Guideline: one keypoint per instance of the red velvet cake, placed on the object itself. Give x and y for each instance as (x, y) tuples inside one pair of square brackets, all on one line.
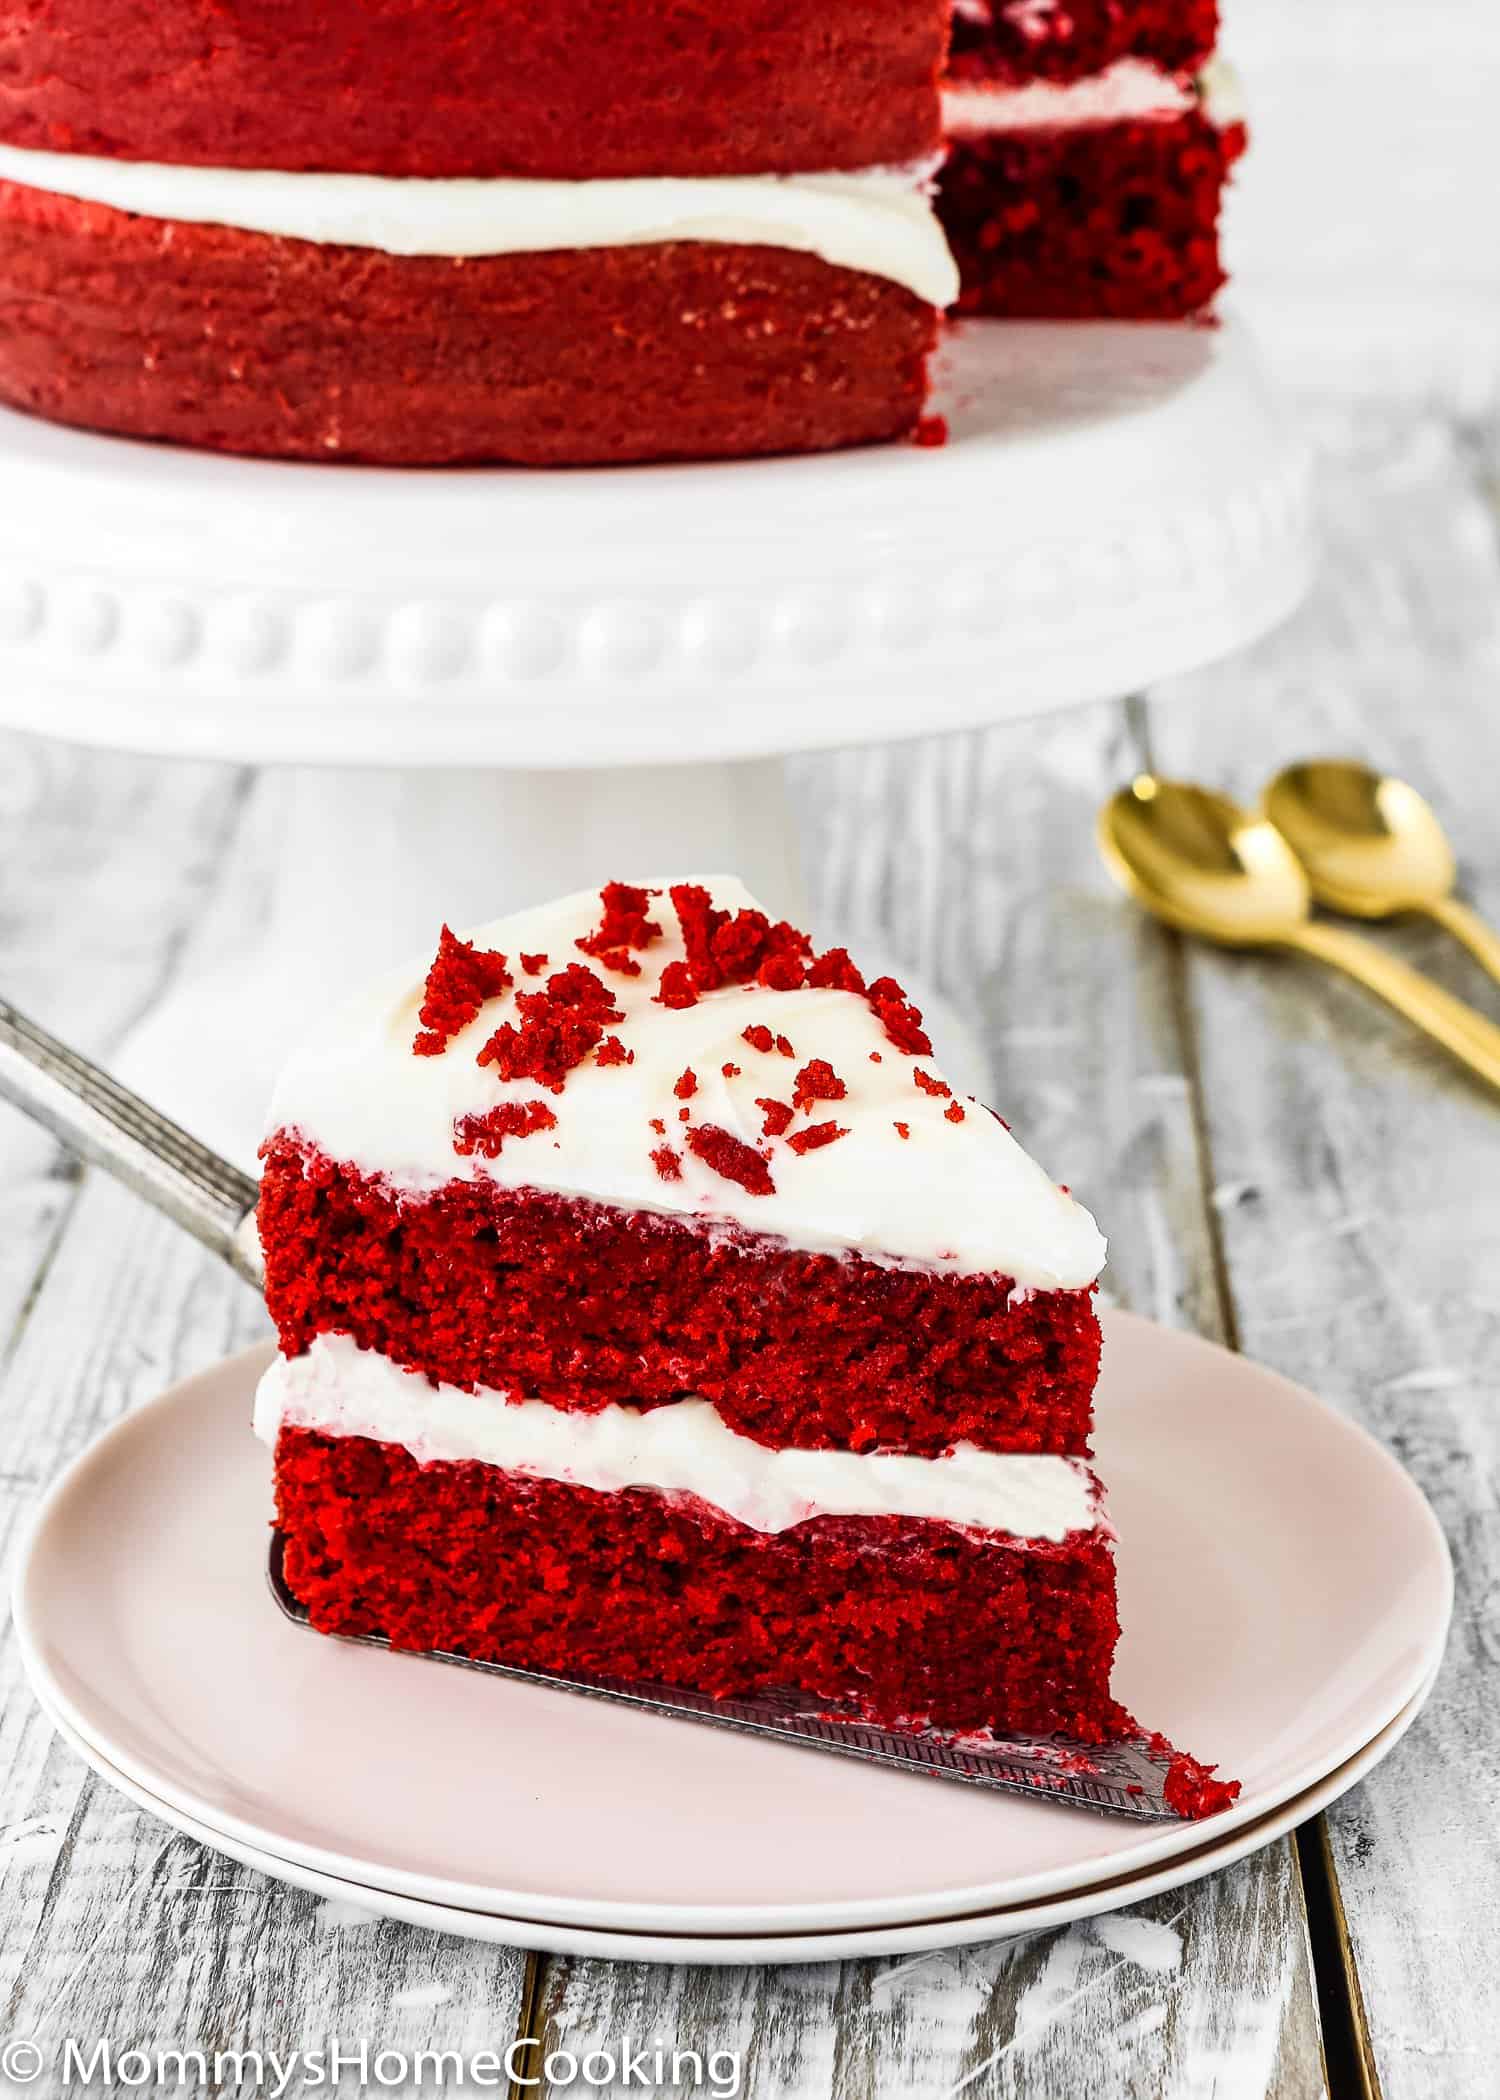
[(385, 230), (651, 1306), (1090, 147)]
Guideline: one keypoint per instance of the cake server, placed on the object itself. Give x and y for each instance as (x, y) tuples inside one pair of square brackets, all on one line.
[(110, 1127)]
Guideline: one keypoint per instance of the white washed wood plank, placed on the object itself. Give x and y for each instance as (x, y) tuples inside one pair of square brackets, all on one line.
[(1185, 1995), (1365, 1241), (115, 872), (976, 857)]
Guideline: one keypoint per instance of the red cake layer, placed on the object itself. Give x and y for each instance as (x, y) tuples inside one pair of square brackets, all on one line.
[(1117, 221), (484, 87), (1020, 40), (577, 1305), (909, 1620), (239, 342)]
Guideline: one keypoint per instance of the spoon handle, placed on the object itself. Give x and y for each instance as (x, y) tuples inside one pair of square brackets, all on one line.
[(1465, 924), (1465, 1034)]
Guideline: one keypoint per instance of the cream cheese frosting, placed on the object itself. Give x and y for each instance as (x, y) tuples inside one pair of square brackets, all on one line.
[(875, 219), (950, 1195), (685, 1448), (1130, 89)]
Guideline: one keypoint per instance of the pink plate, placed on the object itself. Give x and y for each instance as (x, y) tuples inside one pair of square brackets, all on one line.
[(922, 1937), (1284, 1586)]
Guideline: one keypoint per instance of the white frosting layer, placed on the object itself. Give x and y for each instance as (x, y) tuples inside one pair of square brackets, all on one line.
[(955, 1196), (876, 219), (684, 1448), (1131, 88)]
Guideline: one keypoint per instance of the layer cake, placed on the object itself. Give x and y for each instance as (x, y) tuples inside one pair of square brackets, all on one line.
[(651, 1306), (409, 234)]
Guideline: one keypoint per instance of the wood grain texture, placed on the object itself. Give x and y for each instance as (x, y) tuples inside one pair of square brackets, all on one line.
[(1362, 1187)]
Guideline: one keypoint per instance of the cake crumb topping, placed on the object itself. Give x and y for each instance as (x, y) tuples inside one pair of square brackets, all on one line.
[(816, 1136), (731, 1157), (486, 1133), (461, 980), (623, 927), (559, 1027)]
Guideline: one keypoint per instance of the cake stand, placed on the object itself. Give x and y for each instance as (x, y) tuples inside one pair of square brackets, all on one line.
[(457, 669)]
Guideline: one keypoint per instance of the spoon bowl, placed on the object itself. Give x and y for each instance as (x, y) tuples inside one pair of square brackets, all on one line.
[(1369, 844), (1203, 864)]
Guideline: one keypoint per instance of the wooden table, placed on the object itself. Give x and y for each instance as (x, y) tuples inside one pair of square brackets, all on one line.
[(1279, 1165)]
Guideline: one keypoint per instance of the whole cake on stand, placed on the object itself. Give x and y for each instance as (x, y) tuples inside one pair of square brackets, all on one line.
[(496, 683)]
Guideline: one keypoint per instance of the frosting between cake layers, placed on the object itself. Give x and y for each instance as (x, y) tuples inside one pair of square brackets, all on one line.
[(956, 1193), (682, 1448), (878, 220), (1130, 90)]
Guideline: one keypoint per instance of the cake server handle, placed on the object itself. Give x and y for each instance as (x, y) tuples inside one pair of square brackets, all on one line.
[(112, 1128)]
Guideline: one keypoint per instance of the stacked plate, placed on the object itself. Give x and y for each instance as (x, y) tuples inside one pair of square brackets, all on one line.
[(1284, 1588)]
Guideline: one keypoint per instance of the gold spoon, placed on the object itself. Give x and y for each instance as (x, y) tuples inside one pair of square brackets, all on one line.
[(1372, 847), (1206, 866)]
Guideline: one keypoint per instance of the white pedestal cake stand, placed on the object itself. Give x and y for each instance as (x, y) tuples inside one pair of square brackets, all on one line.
[(458, 667)]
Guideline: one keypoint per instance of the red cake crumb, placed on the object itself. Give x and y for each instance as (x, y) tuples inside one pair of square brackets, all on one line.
[(487, 1133), (677, 989), (740, 947), (954, 1112), (757, 1036), (658, 1126), (624, 926), (478, 1285), (613, 1052), (533, 965), (876, 1058), (462, 979), (938, 1088), (559, 1028), (731, 1157), (318, 351), (1115, 221), (730, 1071), (834, 971), (778, 1115), (901, 1020), (818, 1081), (667, 1163), (784, 1047), (903, 1130), (931, 431), (917, 1620), (687, 1085), (816, 1136), (1190, 1789)]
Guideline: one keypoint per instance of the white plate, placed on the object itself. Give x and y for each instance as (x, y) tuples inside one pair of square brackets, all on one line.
[(922, 1937), (1285, 1589)]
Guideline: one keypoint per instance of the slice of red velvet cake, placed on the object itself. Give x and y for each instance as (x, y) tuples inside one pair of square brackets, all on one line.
[(651, 1307), (408, 232), (1091, 143)]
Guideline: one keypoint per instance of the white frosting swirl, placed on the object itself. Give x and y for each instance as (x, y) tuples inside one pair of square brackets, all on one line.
[(686, 1448), (957, 1196)]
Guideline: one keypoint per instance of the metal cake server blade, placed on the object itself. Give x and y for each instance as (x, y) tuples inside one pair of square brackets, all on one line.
[(111, 1127), (1125, 1778)]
